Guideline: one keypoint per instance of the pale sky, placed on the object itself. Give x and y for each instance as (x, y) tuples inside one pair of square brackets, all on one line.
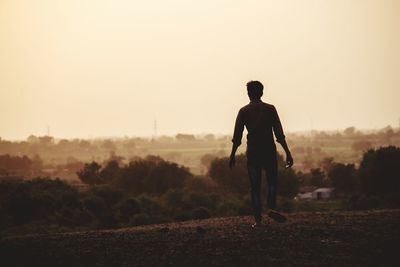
[(93, 68)]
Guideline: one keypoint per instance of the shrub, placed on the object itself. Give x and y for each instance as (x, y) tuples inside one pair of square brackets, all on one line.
[(195, 199), (201, 213), (287, 205), (379, 171), (288, 183), (140, 219), (236, 181), (37, 199), (107, 221), (229, 207), (183, 215), (363, 202), (129, 207), (343, 177), (109, 195), (173, 199), (149, 205)]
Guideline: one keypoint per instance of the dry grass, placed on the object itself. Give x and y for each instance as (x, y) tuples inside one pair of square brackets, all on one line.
[(364, 238)]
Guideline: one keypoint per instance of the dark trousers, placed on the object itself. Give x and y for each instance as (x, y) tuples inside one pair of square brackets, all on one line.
[(255, 165)]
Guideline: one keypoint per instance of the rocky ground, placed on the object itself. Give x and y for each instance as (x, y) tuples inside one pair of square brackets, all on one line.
[(364, 238)]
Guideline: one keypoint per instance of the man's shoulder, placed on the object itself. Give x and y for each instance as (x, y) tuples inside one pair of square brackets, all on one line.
[(252, 105), (270, 106)]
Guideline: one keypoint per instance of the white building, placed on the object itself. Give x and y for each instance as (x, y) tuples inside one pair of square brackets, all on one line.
[(305, 192), (322, 193), (313, 192)]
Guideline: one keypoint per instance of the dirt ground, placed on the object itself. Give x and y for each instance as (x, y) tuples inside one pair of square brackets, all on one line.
[(363, 238)]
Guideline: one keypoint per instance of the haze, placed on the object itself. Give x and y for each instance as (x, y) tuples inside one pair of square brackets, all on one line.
[(110, 68)]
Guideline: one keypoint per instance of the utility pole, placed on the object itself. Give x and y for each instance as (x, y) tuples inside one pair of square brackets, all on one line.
[(155, 129)]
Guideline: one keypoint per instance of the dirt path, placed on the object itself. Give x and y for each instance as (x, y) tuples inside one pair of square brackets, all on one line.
[(369, 238)]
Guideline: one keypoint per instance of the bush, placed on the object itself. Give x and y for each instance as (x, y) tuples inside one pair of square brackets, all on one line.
[(198, 184), (82, 217), (183, 215), (308, 206), (107, 221), (288, 183), (201, 213), (363, 202), (140, 219), (229, 207), (37, 199), (379, 171), (246, 207), (152, 175), (343, 177), (149, 205), (173, 199), (129, 207), (194, 199), (95, 205), (287, 205), (109, 195), (236, 181)]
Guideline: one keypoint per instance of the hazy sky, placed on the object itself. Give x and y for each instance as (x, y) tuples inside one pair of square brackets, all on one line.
[(90, 68)]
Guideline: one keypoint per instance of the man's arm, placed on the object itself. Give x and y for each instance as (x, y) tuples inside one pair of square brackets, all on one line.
[(280, 138), (232, 157), (289, 158), (237, 138)]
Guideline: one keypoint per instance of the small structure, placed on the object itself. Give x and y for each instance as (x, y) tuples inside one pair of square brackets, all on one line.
[(313, 192), (322, 193), (305, 192)]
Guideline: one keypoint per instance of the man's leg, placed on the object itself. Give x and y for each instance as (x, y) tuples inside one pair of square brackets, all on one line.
[(254, 172), (271, 171), (272, 180)]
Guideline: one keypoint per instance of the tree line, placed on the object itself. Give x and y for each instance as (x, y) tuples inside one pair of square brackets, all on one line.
[(153, 190)]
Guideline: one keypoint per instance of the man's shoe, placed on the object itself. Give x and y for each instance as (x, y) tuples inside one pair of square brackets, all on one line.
[(276, 216)]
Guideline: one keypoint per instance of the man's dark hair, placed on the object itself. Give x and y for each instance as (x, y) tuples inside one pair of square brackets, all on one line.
[(255, 89)]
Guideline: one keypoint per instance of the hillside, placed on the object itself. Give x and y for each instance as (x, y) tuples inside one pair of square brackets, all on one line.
[(364, 238)]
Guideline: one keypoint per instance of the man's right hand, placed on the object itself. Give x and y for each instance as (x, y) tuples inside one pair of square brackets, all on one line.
[(232, 162)]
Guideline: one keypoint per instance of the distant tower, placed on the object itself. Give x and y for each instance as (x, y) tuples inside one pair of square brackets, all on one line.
[(155, 129), (48, 130)]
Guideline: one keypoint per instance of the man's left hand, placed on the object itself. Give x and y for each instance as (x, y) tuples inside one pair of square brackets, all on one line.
[(289, 161)]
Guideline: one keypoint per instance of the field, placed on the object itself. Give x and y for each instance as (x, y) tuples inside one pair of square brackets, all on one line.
[(362, 238)]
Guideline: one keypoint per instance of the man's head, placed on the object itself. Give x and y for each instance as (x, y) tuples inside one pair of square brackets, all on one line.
[(254, 90)]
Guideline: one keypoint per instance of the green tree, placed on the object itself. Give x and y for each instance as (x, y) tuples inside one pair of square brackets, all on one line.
[(317, 177), (129, 207), (90, 174), (235, 180), (343, 178), (288, 183), (110, 172), (153, 176), (380, 171)]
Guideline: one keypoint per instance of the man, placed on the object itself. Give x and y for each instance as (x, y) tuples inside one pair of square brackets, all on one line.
[(260, 119)]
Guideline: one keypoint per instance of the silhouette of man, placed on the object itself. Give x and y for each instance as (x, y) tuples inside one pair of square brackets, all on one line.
[(260, 119)]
